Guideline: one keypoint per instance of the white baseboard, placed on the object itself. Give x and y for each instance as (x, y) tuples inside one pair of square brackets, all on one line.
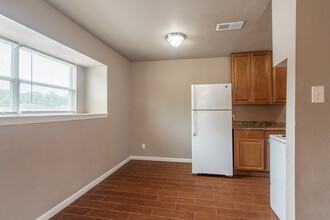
[(82, 191), (167, 159)]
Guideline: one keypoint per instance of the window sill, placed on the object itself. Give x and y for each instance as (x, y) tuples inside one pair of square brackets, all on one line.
[(31, 119)]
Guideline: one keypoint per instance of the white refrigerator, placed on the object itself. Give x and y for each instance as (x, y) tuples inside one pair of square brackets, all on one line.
[(212, 150)]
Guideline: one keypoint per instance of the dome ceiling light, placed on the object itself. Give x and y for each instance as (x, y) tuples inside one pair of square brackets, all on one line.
[(175, 38)]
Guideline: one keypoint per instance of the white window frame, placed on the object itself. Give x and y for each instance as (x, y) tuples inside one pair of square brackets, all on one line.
[(11, 78), (16, 81)]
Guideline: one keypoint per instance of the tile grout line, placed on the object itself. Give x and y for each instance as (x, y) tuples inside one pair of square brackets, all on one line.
[(60, 217), (88, 212)]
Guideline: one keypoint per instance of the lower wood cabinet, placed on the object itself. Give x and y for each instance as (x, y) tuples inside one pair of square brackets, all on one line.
[(251, 152)]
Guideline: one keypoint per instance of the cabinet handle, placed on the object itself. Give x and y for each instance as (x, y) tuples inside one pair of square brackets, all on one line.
[(194, 123)]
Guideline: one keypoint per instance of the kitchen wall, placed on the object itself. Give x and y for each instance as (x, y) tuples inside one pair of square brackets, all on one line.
[(259, 112), (312, 120), (160, 104), (43, 164), (284, 49)]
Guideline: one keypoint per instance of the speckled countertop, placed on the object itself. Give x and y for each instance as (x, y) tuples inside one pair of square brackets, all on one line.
[(259, 125)]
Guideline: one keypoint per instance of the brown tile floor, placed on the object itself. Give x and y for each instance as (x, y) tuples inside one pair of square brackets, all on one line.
[(164, 190)]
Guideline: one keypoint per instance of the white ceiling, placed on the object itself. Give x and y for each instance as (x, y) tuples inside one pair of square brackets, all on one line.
[(136, 28)]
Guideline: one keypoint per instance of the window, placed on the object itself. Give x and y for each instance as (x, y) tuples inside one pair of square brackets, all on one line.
[(34, 82), (6, 77)]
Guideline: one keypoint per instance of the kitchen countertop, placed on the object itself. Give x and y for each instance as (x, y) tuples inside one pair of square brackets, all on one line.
[(259, 125)]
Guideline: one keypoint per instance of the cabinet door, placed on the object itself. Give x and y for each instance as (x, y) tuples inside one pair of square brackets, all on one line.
[(279, 84), (241, 77), (261, 71), (249, 154), (267, 155)]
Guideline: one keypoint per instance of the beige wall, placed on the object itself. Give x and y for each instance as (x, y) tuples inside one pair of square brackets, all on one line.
[(312, 120), (96, 89), (81, 89), (284, 47), (43, 164), (259, 112), (160, 104)]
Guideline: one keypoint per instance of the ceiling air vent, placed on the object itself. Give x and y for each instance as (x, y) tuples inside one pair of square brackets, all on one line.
[(229, 26)]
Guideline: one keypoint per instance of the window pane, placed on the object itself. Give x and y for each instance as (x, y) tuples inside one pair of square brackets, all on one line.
[(24, 65), (44, 69), (5, 59), (44, 98), (6, 96)]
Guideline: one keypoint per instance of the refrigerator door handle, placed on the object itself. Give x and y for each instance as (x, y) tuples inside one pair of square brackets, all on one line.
[(194, 123)]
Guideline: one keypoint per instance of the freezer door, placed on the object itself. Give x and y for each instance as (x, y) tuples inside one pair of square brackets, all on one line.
[(211, 96), (212, 151)]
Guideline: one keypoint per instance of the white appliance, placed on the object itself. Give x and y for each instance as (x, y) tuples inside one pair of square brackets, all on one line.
[(278, 175), (212, 150)]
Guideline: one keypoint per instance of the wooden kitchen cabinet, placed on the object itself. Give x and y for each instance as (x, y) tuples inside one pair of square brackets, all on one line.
[(279, 85), (249, 150), (250, 154), (241, 88), (261, 76), (252, 78)]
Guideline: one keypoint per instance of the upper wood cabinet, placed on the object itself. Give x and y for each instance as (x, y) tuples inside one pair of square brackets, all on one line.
[(279, 84), (241, 86), (252, 77), (261, 72)]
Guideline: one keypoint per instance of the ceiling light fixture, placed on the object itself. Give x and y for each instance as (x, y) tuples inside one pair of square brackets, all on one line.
[(175, 38)]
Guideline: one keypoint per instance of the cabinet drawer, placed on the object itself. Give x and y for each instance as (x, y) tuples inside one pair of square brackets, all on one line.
[(250, 134)]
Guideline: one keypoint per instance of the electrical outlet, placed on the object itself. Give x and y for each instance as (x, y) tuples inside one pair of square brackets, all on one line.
[(234, 117), (143, 146), (317, 94)]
